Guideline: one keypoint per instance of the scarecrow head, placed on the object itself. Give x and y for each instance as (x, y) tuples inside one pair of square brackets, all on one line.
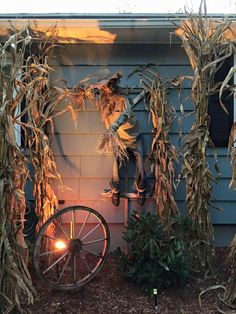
[(107, 82)]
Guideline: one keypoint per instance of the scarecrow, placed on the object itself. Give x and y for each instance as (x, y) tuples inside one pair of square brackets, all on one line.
[(122, 137)]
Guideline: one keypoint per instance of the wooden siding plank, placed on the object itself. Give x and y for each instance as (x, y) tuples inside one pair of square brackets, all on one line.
[(114, 214), (224, 234), (88, 122), (110, 213), (96, 167), (75, 144), (73, 74), (70, 190), (69, 166), (83, 144), (223, 164), (221, 191), (88, 166), (128, 54), (91, 189), (86, 143), (116, 233), (174, 97), (225, 216)]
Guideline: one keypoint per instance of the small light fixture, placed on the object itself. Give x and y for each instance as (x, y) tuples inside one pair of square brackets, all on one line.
[(155, 297), (60, 245)]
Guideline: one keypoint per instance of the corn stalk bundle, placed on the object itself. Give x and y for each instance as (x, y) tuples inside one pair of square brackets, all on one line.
[(26, 82), (15, 279), (41, 107), (41, 100), (230, 291), (207, 48), (163, 153), (231, 144)]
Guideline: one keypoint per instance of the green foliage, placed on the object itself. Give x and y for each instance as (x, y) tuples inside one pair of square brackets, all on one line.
[(157, 252)]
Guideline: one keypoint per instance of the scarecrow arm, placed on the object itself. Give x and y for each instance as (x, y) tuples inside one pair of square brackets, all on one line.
[(127, 114), (123, 118)]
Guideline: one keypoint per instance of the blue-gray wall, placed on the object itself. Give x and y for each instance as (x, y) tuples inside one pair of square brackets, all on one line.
[(85, 172)]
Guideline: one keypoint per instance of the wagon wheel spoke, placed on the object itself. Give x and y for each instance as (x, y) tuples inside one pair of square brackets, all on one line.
[(55, 263), (48, 253), (63, 269), (62, 228), (74, 270), (91, 231), (85, 264), (50, 237), (94, 241), (72, 225), (92, 253), (84, 223)]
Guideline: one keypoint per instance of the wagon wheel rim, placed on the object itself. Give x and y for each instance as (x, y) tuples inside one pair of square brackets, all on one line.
[(86, 243)]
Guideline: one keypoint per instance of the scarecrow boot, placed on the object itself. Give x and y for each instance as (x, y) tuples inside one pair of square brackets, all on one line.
[(115, 189)]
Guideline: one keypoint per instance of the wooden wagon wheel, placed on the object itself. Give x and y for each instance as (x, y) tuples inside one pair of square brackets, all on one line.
[(71, 247)]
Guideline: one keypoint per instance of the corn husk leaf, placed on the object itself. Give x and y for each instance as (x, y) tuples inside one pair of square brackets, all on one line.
[(110, 143)]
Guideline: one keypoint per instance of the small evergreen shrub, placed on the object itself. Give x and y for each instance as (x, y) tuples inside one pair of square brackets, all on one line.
[(157, 253)]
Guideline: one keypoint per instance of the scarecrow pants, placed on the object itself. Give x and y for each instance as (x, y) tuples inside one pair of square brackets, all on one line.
[(140, 178)]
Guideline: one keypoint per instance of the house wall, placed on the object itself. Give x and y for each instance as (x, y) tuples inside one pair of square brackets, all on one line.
[(86, 172)]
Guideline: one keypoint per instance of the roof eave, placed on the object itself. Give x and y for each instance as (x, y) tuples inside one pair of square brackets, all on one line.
[(127, 28)]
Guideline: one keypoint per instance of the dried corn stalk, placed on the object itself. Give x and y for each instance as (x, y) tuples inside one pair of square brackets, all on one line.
[(230, 292), (15, 279), (231, 144), (163, 154), (207, 48), (25, 80), (41, 101), (230, 289)]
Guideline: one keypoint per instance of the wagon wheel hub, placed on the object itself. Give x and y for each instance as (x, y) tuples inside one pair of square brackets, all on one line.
[(75, 246)]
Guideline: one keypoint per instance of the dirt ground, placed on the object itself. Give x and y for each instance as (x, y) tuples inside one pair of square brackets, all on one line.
[(110, 292)]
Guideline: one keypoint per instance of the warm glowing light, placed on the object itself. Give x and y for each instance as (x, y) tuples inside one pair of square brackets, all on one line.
[(65, 31), (60, 245)]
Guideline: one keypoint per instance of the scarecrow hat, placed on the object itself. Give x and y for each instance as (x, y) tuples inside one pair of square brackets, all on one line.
[(99, 79), (104, 77)]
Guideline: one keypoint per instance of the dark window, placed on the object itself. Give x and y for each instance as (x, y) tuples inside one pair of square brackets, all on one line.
[(221, 122)]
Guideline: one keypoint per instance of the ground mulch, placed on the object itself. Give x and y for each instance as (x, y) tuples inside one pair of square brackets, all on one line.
[(110, 292)]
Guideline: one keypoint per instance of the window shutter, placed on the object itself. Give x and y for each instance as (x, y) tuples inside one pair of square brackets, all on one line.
[(221, 122)]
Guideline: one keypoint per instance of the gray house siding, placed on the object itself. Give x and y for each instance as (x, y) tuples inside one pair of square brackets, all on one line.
[(86, 172)]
